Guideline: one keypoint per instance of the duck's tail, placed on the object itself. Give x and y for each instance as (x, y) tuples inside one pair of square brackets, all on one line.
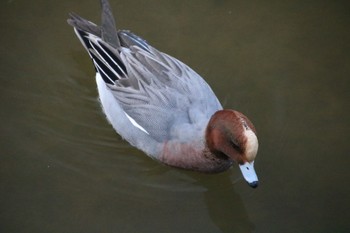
[(107, 31), (104, 43)]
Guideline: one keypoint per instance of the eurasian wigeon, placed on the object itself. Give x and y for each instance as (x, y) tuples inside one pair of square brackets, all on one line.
[(161, 106)]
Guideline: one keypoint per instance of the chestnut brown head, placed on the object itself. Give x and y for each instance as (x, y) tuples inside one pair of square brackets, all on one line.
[(231, 134)]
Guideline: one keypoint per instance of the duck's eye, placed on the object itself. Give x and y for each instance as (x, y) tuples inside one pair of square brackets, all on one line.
[(246, 127), (235, 145)]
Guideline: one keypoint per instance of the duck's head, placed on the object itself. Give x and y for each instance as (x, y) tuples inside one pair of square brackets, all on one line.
[(230, 134)]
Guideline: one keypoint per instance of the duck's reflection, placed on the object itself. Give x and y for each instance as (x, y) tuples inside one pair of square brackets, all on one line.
[(225, 206)]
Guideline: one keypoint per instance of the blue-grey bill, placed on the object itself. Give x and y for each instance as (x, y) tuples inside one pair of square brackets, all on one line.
[(249, 174)]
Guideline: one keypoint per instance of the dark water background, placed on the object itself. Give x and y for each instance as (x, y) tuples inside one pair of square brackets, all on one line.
[(285, 64)]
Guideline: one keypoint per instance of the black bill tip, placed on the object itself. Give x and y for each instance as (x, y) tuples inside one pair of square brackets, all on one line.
[(254, 184)]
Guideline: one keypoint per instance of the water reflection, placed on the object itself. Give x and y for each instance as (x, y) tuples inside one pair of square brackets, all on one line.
[(225, 206)]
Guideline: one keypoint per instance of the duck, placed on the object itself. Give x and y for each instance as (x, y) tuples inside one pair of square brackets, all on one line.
[(163, 107)]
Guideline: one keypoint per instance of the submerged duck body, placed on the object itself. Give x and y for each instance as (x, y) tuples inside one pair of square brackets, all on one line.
[(161, 106)]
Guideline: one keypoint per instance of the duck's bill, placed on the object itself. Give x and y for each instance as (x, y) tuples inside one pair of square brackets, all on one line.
[(249, 174)]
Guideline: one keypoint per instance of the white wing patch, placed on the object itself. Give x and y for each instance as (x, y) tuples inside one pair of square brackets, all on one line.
[(135, 123)]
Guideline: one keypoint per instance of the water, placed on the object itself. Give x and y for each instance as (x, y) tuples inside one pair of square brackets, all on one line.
[(285, 65)]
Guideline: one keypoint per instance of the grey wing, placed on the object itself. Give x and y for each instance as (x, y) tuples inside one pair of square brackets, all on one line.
[(161, 93), (155, 90)]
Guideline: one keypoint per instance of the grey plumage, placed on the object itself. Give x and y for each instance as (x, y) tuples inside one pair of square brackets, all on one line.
[(163, 95)]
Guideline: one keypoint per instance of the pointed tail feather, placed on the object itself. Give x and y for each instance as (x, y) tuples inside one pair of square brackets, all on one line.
[(108, 29), (104, 43)]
